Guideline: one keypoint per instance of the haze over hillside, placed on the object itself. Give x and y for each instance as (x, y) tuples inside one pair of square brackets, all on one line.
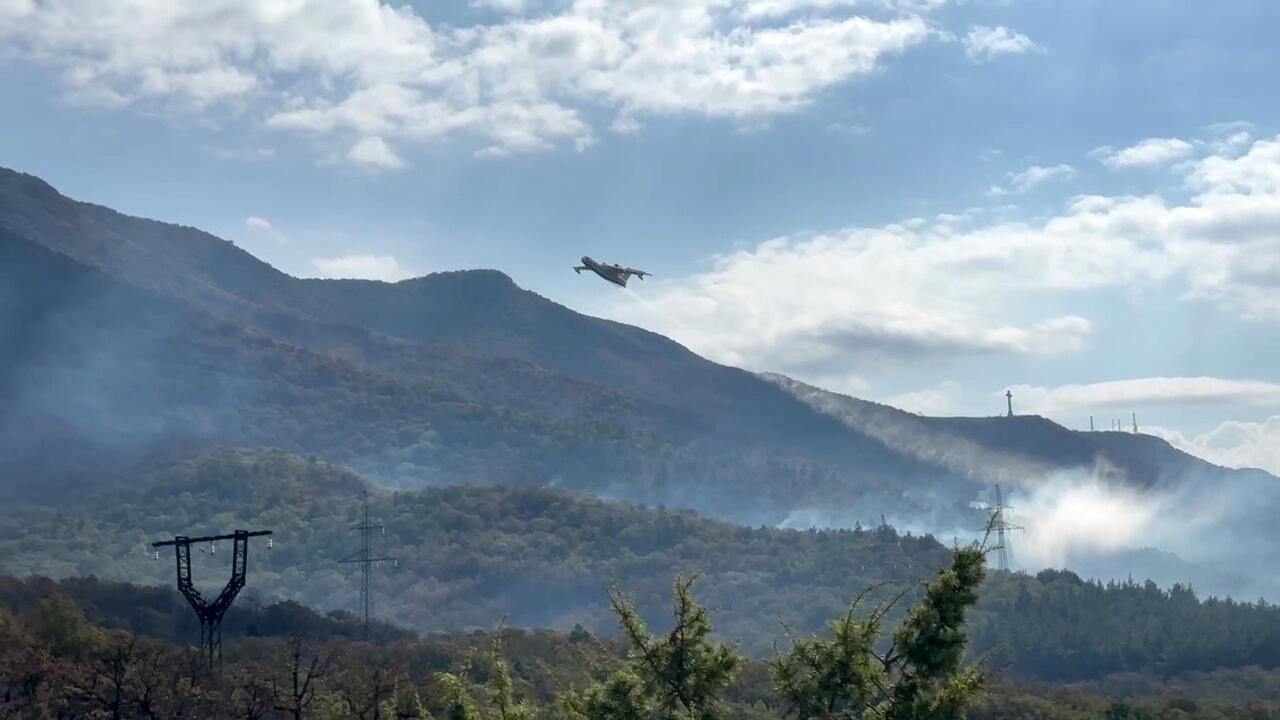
[(127, 340), (470, 557)]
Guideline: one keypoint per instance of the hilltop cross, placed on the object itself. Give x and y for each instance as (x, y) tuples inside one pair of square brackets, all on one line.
[(1009, 396)]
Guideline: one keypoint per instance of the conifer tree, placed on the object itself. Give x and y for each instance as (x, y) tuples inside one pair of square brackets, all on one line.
[(679, 676), (922, 674)]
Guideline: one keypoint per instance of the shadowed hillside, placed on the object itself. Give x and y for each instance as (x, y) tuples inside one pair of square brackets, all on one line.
[(137, 335)]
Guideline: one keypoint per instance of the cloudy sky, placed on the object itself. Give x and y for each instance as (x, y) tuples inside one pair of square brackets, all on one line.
[(924, 202)]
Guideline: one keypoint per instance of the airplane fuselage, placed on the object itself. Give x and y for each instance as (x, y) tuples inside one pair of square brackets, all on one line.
[(615, 274)]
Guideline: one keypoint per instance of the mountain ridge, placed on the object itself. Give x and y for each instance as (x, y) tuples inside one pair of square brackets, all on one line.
[(1026, 438), (660, 424)]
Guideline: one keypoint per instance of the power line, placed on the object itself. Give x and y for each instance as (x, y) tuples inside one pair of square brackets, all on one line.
[(364, 558)]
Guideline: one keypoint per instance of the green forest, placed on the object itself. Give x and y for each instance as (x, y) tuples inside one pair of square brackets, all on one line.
[(471, 557), (86, 648)]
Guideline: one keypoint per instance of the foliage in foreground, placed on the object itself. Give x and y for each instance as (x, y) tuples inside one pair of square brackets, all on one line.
[(55, 663)]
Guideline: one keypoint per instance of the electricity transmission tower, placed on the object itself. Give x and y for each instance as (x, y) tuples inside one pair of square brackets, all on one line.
[(1000, 523), (210, 613), (364, 557)]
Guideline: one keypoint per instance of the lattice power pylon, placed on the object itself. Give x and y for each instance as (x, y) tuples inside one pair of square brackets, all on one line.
[(364, 558), (211, 613), (1000, 523)]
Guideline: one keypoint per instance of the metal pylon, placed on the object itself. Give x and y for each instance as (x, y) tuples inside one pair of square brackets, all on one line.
[(209, 613)]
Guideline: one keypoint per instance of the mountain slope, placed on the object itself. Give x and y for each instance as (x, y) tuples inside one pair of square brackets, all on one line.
[(459, 376), (478, 336), (89, 362), (483, 312), (98, 373), (1019, 450)]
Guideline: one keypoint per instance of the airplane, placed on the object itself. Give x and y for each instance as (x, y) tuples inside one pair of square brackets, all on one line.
[(615, 274)]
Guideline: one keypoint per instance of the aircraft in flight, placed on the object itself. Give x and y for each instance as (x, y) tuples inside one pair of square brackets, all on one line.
[(615, 274)]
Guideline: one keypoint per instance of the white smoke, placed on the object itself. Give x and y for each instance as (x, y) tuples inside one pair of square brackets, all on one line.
[(1093, 522), (1075, 514), (1214, 531)]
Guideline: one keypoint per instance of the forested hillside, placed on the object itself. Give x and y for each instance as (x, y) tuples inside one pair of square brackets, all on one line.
[(469, 557), (82, 647)]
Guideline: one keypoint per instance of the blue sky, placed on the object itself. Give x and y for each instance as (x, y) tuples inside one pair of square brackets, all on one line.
[(916, 201)]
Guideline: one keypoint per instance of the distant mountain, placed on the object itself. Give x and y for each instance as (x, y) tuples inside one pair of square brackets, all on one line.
[(1107, 504), (243, 354), (128, 336), (389, 327), (1016, 451)]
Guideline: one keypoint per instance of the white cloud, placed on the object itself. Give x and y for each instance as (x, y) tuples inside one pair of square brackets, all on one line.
[(813, 306), (374, 152), (1128, 394), (362, 267), (798, 304), (16, 9), (759, 9), (1031, 177), (263, 227), (506, 6), (625, 125), (241, 153), (360, 69), (1231, 127), (848, 128), (983, 43), (1229, 138), (1151, 152), (1233, 444), (929, 401)]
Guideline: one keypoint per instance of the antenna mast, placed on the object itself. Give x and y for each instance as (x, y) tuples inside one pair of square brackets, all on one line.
[(1008, 394), (364, 558)]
